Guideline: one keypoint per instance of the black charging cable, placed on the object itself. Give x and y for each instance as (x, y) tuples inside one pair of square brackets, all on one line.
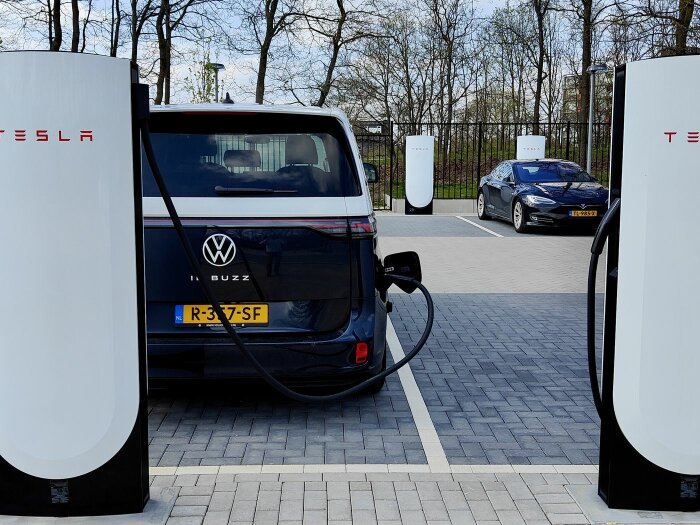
[(269, 378), (599, 240)]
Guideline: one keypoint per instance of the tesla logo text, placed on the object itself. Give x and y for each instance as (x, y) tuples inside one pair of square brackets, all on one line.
[(690, 136), (219, 250), (44, 135)]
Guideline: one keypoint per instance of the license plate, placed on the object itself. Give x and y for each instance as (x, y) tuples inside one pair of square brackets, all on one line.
[(239, 314), (583, 213)]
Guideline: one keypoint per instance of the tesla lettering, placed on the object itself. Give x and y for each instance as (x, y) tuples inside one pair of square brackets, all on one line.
[(44, 135)]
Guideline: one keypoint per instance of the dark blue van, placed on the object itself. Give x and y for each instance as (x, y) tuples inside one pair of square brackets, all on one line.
[(275, 202)]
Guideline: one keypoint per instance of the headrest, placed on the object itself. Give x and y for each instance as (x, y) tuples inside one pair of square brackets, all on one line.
[(242, 158), (300, 149)]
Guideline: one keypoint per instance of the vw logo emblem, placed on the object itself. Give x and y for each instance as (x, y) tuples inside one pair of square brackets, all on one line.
[(219, 250)]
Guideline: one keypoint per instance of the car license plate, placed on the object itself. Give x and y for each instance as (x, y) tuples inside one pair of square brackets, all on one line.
[(583, 213), (239, 314)]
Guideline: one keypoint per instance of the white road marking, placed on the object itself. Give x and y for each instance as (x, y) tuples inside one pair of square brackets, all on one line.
[(437, 460), (368, 468), (479, 226)]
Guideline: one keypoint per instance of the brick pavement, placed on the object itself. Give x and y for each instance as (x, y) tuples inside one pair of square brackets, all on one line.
[(377, 498), (505, 376), (254, 425)]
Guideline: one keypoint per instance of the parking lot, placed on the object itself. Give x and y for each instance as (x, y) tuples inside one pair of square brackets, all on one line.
[(500, 393), (504, 375)]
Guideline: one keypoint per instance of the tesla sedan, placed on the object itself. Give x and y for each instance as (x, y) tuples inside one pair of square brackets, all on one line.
[(548, 192)]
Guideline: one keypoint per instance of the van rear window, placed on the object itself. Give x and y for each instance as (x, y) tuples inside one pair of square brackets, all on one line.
[(223, 155)]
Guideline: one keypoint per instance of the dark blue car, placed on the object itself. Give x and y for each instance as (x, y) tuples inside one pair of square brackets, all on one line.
[(548, 192)]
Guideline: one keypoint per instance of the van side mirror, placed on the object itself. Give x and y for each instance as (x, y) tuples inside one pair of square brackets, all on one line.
[(404, 264), (371, 172)]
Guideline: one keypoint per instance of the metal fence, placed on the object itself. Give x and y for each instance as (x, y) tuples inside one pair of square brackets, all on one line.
[(466, 152)]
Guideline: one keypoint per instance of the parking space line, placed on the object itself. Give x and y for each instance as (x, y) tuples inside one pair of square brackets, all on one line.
[(437, 460), (479, 226)]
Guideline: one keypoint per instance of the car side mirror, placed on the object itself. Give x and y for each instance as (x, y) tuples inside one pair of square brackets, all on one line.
[(403, 264), (371, 172)]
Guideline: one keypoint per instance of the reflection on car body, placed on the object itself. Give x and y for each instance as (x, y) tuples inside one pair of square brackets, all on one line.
[(548, 192)]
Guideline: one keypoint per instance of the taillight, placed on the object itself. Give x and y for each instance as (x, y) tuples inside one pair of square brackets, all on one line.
[(364, 228), (361, 352)]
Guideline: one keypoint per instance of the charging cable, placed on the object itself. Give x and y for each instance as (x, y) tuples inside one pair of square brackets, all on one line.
[(216, 306), (601, 236)]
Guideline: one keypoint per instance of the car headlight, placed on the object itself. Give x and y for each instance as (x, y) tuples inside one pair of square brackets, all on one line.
[(536, 200)]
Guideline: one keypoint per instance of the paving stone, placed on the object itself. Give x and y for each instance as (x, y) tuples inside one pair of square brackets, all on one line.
[(387, 510), (243, 510), (216, 517), (185, 520), (361, 500), (567, 519), (339, 509), (408, 500), (192, 500), (383, 490), (482, 510), (434, 510), (428, 490), (291, 510), (315, 500), (203, 490), (189, 510), (364, 516), (315, 517), (412, 517), (455, 501), (510, 517)]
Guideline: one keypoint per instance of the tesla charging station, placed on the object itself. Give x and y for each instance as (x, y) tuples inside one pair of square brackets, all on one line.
[(73, 423), (650, 421), (420, 151)]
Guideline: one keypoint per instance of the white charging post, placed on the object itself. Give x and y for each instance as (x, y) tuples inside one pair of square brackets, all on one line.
[(73, 422), (650, 424), (530, 147), (420, 154)]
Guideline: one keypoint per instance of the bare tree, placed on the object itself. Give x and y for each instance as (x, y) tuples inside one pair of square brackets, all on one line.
[(169, 19), (347, 27)]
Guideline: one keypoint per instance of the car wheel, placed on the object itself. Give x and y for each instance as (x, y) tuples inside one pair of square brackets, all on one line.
[(481, 207), (519, 217), (375, 388)]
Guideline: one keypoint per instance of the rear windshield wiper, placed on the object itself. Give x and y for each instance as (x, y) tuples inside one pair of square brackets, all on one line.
[(221, 190)]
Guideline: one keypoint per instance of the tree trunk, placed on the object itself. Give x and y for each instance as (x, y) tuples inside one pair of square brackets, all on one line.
[(685, 16), (115, 28), (57, 30), (50, 13), (328, 82), (540, 12), (337, 43), (262, 71), (134, 31), (162, 51), (270, 12), (584, 79), (75, 37), (168, 55)]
